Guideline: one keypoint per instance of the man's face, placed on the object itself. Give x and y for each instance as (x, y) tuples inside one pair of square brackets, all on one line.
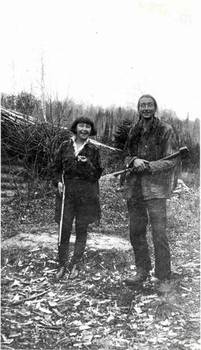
[(146, 107), (83, 131)]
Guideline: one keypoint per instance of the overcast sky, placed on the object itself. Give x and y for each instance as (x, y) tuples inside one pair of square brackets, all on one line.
[(104, 52)]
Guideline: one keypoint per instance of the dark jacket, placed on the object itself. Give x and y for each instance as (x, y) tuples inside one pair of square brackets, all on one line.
[(153, 145), (80, 178)]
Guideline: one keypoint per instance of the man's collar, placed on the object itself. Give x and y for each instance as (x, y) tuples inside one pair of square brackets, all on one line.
[(150, 126)]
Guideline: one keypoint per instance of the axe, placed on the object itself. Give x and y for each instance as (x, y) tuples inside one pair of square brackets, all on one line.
[(182, 152)]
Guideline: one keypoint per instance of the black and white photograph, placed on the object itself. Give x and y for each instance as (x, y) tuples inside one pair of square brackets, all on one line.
[(100, 174)]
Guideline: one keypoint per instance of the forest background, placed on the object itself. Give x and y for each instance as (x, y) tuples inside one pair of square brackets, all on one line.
[(112, 126)]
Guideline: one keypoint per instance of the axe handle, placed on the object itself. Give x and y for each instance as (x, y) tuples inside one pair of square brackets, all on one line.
[(172, 156), (120, 172)]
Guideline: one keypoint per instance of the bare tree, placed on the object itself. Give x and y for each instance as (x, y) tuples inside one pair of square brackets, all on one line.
[(42, 86)]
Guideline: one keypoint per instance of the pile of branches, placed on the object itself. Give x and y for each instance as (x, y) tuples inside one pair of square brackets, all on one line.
[(34, 143), (29, 141)]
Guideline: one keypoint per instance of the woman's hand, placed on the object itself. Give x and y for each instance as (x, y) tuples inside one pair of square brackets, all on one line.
[(60, 187), (140, 164)]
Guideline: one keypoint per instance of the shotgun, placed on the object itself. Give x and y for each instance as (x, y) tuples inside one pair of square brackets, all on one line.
[(182, 152)]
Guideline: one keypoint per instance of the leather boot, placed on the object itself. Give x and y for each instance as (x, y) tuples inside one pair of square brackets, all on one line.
[(63, 260), (138, 279), (74, 271), (75, 263), (60, 272)]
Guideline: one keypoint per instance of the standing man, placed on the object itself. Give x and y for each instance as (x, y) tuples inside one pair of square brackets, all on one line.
[(148, 142)]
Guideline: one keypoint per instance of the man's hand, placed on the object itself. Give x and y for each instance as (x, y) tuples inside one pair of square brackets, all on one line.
[(140, 164), (60, 187)]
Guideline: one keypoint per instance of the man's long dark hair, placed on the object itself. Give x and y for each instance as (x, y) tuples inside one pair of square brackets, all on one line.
[(136, 130)]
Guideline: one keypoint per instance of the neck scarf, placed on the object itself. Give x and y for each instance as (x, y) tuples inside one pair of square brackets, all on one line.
[(78, 148)]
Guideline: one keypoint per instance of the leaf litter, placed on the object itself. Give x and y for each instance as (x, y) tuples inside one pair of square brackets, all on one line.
[(96, 310), (96, 305)]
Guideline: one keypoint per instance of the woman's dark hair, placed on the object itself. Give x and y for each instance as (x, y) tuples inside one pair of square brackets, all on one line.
[(155, 103), (86, 121)]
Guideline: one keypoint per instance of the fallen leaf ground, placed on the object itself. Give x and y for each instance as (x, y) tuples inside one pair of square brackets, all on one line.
[(97, 311)]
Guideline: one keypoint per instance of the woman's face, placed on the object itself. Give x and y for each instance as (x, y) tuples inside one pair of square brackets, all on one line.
[(83, 131)]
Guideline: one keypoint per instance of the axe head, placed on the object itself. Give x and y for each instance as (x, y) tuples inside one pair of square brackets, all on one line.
[(184, 151)]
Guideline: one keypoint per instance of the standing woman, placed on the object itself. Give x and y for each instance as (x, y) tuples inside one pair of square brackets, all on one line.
[(77, 163)]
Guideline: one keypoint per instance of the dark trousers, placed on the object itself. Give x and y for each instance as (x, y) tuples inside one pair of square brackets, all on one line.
[(138, 213), (71, 212)]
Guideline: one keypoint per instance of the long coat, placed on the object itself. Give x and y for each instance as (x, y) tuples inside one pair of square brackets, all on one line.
[(80, 179)]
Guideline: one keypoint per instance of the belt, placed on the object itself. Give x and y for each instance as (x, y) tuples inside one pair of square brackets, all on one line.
[(74, 178)]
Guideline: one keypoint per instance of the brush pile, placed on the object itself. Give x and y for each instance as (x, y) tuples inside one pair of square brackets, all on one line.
[(33, 144), (30, 142)]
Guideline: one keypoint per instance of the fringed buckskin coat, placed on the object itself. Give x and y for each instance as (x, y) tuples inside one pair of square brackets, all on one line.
[(80, 178)]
